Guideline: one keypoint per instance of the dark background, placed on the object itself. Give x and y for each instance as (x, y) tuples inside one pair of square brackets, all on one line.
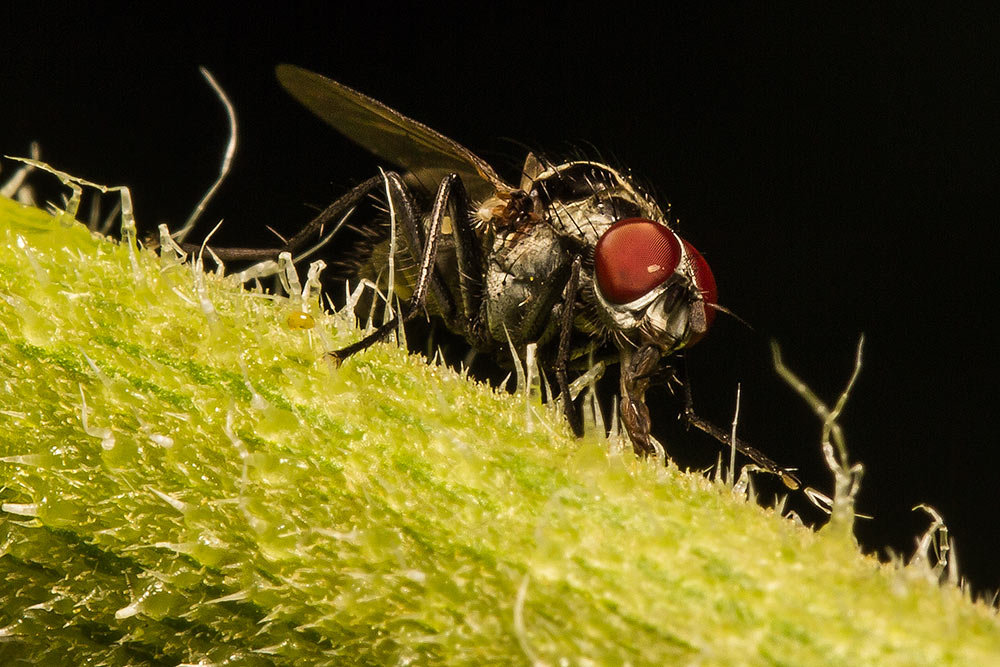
[(833, 167)]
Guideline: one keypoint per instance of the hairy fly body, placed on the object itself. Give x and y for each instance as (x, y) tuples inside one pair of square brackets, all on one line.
[(574, 258)]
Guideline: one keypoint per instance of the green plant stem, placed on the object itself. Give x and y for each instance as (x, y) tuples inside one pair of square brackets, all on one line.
[(185, 478)]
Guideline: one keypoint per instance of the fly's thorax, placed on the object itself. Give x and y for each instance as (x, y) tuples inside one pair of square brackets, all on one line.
[(582, 199), (526, 272)]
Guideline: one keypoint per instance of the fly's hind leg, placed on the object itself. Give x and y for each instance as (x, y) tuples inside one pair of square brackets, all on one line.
[(460, 301), (408, 217), (335, 212), (425, 275)]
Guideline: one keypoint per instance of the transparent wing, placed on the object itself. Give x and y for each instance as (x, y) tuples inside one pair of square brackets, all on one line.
[(428, 155)]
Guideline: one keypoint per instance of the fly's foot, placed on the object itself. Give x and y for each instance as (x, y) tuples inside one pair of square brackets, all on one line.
[(635, 417), (637, 370)]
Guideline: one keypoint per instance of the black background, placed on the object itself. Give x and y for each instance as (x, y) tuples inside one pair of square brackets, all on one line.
[(833, 167)]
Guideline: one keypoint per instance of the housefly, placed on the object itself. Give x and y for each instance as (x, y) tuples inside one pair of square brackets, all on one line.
[(574, 257)]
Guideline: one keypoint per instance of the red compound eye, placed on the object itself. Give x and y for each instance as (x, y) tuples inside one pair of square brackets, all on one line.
[(704, 281), (633, 257)]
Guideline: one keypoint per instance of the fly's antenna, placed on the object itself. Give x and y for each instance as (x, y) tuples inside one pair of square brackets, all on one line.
[(227, 158), (723, 309)]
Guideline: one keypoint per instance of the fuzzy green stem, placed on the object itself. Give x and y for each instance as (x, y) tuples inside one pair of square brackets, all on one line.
[(185, 479)]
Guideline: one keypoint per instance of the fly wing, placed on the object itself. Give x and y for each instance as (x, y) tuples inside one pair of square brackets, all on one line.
[(428, 155)]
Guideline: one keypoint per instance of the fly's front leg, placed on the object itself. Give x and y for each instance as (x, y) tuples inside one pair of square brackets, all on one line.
[(334, 212), (417, 299), (743, 447), (637, 372), (570, 409)]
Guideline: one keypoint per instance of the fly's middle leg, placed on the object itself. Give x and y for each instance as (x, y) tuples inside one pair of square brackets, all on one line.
[(570, 409)]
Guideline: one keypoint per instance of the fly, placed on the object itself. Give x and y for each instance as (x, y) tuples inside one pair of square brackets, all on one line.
[(574, 258)]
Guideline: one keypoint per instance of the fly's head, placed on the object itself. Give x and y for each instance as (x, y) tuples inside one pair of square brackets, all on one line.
[(652, 287)]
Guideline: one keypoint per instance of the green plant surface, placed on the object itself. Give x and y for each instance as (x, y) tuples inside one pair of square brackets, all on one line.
[(185, 479)]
